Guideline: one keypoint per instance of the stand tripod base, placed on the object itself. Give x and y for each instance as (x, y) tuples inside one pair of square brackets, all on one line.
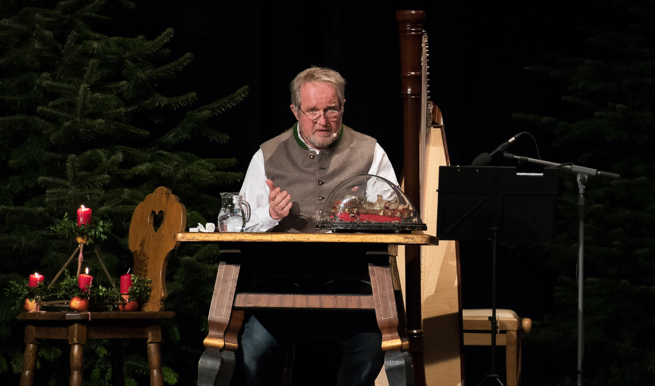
[(489, 379)]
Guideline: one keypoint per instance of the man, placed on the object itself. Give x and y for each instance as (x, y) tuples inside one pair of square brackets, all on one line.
[(287, 183)]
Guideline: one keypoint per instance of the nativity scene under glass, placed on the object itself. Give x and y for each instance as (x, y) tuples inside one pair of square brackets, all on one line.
[(368, 203)]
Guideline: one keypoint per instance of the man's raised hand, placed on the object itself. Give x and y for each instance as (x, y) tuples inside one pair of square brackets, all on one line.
[(280, 202)]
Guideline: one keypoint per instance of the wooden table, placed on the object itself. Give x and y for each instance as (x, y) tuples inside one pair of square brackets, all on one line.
[(273, 237), (224, 324)]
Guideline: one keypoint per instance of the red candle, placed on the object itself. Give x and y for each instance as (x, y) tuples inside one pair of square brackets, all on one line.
[(126, 283), (85, 280), (36, 279), (83, 216)]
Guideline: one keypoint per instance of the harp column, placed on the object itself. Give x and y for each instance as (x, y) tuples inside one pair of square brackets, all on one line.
[(410, 32)]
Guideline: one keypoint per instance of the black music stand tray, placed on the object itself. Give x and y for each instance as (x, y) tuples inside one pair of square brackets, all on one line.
[(488, 203)]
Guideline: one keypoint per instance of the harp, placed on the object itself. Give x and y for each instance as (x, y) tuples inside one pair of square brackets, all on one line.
[(431, 273)]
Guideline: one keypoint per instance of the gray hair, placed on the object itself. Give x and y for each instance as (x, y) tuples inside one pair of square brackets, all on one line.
[(317, 74)]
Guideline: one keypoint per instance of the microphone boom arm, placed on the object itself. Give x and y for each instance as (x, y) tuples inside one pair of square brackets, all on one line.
[(570, 168)]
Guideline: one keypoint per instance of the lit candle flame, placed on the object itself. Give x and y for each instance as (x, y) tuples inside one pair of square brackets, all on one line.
[(87, 270), (83, 208), (36, 275)]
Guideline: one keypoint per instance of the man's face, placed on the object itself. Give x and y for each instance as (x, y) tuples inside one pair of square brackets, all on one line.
[(319, 97)]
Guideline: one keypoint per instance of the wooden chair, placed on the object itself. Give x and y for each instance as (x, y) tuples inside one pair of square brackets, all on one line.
[(511, 329), (151, 249)]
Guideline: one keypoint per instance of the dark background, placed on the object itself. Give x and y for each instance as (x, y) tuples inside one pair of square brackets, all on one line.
[(479, 51)]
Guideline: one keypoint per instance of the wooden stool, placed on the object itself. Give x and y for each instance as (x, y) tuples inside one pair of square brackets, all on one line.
[(151, 250), (511, 328)]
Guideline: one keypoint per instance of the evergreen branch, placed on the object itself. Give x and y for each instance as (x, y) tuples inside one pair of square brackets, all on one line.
[(129, 129), (220, 106), (151, 47), (20, 27), (81, 102), (91, 69), (90, 10), (70, 40), (58, 86), (212, 134), (158, 100), (581, 103), (166, 71), (47, 181), (7, 122), (21, 209), (71, 169), (195, 117), (117, 87), (55, 113)]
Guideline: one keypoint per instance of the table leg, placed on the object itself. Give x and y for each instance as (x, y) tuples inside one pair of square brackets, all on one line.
[(29, 358), (399, 368), (217, 362), (397, 360)]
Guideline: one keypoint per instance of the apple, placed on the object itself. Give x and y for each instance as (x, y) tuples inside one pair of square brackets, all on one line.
[(79, 304), (29, 305), (130, 306)]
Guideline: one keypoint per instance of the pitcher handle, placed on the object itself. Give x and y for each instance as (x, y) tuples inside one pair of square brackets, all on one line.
[(247, 206)]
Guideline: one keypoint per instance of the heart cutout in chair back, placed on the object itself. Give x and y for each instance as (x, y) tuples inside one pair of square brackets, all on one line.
[(156, 218)]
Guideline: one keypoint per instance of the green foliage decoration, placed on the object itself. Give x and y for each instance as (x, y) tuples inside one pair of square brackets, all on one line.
[(84, 120), (67, 228), (140, 289)]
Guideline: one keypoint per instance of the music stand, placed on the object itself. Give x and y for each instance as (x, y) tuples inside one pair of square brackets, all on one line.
[(488, 203)]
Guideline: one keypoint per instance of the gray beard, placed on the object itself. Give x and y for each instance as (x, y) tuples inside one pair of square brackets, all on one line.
[(321, 143)]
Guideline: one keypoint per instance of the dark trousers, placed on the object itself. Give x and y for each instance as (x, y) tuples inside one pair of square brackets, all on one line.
[(268, 335)]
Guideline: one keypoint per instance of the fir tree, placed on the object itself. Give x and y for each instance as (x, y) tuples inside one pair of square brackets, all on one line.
[(82, 122), (612, 128)]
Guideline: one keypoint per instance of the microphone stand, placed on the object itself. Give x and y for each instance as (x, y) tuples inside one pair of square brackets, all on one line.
[(583, 174)]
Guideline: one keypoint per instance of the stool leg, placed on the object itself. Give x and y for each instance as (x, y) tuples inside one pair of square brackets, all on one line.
[(117, 362), (154, 355), (511, 358), (77, 335), (77, 359), (29, 358), (154, 360), (29, 362)]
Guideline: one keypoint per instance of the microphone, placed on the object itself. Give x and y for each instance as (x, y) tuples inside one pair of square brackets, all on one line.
[(484, 159)]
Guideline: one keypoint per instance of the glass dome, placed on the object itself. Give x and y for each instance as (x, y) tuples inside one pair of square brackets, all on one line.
[(369, 203)]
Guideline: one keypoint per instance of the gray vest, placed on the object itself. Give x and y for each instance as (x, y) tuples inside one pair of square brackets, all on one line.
[(309, 177)]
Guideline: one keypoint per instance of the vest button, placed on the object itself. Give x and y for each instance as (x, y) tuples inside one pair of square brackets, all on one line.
[(321, 198), (311, 156), (320, 182)]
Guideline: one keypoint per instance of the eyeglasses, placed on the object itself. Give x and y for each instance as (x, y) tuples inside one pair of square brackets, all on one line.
[(314, 115)]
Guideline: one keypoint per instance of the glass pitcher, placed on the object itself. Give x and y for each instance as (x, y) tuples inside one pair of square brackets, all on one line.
[(232, 218)]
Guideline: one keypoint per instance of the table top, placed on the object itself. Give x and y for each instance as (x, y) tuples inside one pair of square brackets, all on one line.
[(282, 237), (115, 315)]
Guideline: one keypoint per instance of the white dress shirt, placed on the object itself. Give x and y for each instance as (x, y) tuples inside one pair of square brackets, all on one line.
[(256, 191)]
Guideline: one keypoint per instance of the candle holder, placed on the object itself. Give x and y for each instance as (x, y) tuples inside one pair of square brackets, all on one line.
[(80, 257), (37, 306), (84, 236)]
